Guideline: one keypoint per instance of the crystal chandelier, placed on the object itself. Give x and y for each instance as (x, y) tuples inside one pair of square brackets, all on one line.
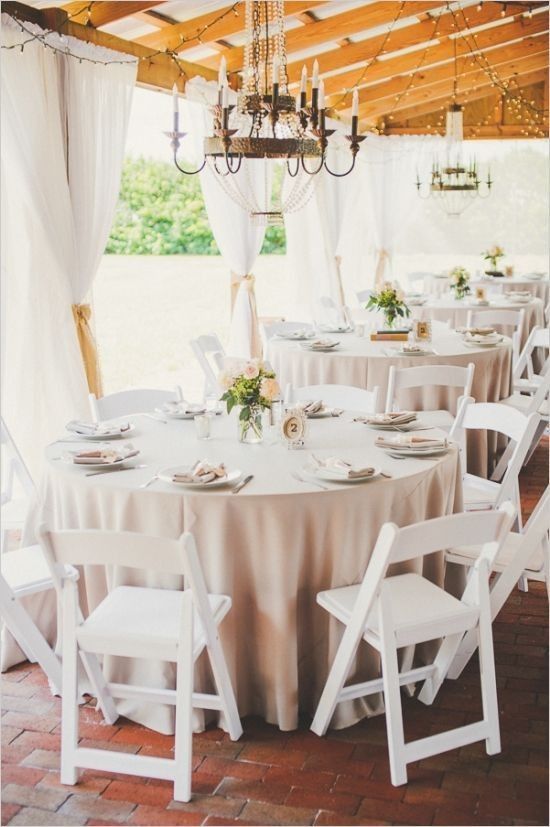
[(454, 184), (268, 123)]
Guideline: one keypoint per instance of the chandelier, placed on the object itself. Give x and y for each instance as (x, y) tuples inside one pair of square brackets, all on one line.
[(268, 123), (452, 183)]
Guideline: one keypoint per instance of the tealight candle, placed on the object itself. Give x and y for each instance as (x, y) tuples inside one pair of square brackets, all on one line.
[(202, 426)]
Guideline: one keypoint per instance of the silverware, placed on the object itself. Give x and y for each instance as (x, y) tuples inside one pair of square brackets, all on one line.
[(148, 483), (112, 470), (411, 456), (297, 476), (385, 474), (242, 484), (156, 418)]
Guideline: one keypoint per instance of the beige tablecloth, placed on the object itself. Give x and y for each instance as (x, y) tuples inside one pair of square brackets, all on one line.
[(539, 288), (456, 312), (272, 547), (365, 364)]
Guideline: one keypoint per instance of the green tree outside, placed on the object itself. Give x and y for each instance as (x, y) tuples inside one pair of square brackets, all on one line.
[(162, 212)]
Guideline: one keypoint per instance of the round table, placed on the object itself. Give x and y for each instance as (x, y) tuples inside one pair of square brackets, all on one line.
[(271, 547), (456, 312), (540, 288)]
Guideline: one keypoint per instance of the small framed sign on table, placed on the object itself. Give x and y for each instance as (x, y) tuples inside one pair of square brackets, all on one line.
[(293, 428)]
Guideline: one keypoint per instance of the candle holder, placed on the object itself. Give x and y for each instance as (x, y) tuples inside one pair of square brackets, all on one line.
[(175, 140)]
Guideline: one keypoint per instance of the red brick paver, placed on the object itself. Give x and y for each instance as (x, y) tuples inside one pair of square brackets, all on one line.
[(271, 777)]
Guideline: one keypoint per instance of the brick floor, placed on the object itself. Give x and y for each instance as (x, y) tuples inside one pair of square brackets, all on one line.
[(271, 777)]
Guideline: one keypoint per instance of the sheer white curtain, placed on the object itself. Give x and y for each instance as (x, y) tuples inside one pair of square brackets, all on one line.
[(238, 239), (390, 196), (97, 101), (313, 233), (44, 272)]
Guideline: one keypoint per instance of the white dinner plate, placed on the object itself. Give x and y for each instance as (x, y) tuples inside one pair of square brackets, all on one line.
[(94, 465), (425, 352), (415, 302), (519, 299), (331, 476), (341, 328), (171, 415), (534, 276), (408, 426), (166, 475), (404, 451), (326, 349), (114, 434), (482, 344)]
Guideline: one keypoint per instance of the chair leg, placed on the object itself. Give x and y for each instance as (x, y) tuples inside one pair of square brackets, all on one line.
[(394, 711), (523, 584), (443, 661), (183, 739), (69, 700), (406, 664), (224, 687), (99, 686), (487, 672), (335, 681)]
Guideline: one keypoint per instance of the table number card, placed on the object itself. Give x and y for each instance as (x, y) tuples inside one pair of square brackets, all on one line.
[(481, 293), (293, 428), (423, 331)]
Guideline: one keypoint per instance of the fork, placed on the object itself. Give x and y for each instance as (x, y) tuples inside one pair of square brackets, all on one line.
[(297, 476), (148, 483)]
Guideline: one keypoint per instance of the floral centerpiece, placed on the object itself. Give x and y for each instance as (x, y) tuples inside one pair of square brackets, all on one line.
[(460, 282), (252, 386), (391, 301), (493, 254)]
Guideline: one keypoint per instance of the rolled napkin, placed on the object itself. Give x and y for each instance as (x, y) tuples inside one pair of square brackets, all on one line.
[(322, 343), (483, 338), (342, 468), (202, 472), (297, 334), (103, 456), (477, 331), (410, 441), (390, 418), (311, 407), (523, 294), (182, 408), (95, 428), (412, 349)]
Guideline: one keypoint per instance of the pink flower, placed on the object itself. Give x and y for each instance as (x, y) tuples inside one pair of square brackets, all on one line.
[(251, 370), (270, 389)]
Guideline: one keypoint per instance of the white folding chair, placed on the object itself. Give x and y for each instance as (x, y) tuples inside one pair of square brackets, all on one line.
[(17, 486), (538, 403), (480, 493), (539, 340), (25, 572), (333, 313), (421, 280), (123, 403), (501, 319), (523, 557), (335, 396), (363, 296), (547, 314), (160, 624), (426, 375), (390, 613), (210, 354)]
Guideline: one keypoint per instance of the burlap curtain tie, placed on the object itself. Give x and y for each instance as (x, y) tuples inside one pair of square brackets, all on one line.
[(82, 314), (383, 258)]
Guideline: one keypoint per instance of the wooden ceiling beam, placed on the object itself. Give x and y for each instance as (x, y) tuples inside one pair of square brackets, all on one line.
[(231, 23), (369, 112), (154, 18), (334, 28), (473, 132), (406, 37), (102, 13), (497, 36), (434, 74), (435, 106), (155, 70)]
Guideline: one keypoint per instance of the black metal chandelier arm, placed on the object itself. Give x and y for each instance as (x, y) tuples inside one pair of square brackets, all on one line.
[(313, 171), (229, 163), (296, 169), (218, 171), (340, 174), (191, 171)]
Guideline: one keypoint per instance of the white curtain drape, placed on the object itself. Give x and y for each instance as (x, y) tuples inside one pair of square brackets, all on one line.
[(238, 239), (389, 175), (313, 233), (47, 263)]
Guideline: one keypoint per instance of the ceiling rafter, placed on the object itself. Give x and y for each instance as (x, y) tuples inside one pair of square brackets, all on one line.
[(413, 35), (485, 40), (376, 107), (103, 13), (334, 28), (233, 23)]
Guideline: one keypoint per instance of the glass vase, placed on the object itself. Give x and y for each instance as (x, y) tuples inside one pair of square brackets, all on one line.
[(389, 321), (251, 428)]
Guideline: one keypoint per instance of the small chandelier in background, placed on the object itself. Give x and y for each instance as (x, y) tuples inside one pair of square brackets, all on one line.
[(267, 122), (453, 184)]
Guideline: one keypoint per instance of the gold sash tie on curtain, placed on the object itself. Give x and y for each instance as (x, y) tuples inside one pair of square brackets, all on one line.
[(383, 258), (82, 314), (247, 282)]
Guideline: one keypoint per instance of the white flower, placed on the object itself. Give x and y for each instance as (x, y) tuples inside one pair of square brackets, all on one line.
[(251, 370)]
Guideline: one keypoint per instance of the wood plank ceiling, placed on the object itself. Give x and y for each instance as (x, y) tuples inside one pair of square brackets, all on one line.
[(400, 55)]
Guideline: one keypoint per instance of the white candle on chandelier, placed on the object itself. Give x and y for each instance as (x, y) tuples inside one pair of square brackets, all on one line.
[(315, 77), (355, 104), (303, 84), (275, 70), (222, 73), (175, 106), (321, 95), (225, 96)]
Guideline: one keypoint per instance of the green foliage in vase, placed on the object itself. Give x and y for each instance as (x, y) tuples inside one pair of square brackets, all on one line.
[(460, 282), (162, 212), (391, 301)]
